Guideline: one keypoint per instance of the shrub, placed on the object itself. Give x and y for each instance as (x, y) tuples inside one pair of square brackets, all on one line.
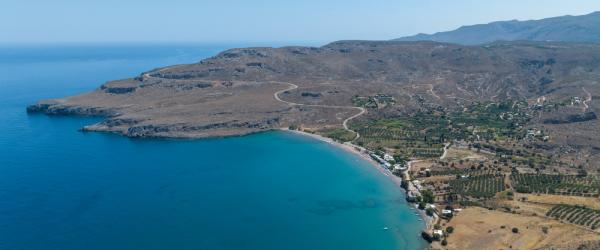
[(444, 242), (515, 230), (428, 196), (429, 211), (426, 236), (450, 230)]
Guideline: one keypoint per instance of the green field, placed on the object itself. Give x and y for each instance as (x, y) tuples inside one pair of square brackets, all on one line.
[(556, 184), (424, 134), (575, 214)]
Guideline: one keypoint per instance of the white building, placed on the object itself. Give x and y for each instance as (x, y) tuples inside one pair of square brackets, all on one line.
[(377, 158), (399, 168), (388, 157)]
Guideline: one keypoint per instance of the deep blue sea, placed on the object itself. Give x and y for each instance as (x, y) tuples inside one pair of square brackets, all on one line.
[(64, 189)]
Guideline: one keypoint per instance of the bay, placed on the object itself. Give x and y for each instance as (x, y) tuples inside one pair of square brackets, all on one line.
[(64, 189)]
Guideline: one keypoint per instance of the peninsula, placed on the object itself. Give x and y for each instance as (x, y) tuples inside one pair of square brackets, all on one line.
[(505, 132)]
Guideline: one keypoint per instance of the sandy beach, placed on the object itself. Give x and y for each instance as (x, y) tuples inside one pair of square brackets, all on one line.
[(357, 150), (362, 152)]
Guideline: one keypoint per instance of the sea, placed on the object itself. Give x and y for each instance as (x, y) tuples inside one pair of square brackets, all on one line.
[(65, 189)]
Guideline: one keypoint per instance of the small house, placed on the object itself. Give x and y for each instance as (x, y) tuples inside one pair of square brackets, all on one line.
[(399, 168), (387, 165), (388, 157), (447, 212)]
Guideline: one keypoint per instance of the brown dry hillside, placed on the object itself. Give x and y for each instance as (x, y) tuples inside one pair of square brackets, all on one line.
[(232, 93)]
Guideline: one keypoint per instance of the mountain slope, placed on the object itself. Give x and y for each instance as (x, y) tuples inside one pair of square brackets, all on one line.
[(584, 28), (233, 92)]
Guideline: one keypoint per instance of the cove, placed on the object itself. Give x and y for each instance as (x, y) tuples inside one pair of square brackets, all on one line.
[(64, 189)]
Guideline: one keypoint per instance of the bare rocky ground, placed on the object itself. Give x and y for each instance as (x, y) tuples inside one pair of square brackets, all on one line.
[(232, 93)]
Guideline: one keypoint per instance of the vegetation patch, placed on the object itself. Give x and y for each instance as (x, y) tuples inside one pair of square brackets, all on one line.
[(373, 102), (337, 134), (424, 134), (556, 184), (482, 185), (576, 214)]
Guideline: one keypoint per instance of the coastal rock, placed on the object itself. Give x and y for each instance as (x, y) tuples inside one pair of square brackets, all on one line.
[(60, 109), (119, 90), (164, 130)]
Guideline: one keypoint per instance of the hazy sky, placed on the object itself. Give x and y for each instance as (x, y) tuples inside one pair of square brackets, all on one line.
[(258, 20)]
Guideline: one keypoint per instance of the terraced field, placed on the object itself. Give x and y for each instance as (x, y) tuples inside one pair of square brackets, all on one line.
[(575, 214), (481, 184), (556, 184)]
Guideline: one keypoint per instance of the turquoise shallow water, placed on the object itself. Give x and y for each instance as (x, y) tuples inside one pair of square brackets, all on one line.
[(63, 189)]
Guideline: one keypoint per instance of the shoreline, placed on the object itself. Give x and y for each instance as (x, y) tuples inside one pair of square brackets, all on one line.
[(351, 148)]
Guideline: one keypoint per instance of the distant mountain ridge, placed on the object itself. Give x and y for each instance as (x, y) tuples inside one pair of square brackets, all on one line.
[(585, 28)]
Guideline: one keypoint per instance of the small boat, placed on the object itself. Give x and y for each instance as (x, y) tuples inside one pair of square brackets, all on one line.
[(385, 228)]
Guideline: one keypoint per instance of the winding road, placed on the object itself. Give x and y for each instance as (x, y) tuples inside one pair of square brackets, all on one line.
[(588, 99), (294, 86), (446, 146), (430, 90), (344, 124)]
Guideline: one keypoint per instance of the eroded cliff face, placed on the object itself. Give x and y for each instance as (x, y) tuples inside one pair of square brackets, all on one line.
[(233, 92)]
